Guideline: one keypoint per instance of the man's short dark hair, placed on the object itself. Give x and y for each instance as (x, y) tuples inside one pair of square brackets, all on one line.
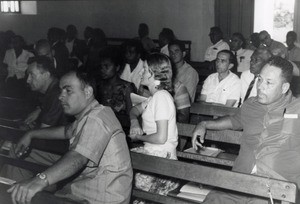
[(86, 80), (216, 31), (232, 58), (241, 37), (113, 54), (44, 63), (179, 43), (168, 34), (285, 66), (293, 34), (138, 46)]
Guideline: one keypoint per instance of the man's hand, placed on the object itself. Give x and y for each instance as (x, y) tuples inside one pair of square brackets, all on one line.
[(23, 145), (23, 192), (199, 132), (32, 117)]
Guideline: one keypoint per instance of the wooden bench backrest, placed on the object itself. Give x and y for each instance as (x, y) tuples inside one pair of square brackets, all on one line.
[(119, 41), (238, 182), (227, 136), (202, 108)]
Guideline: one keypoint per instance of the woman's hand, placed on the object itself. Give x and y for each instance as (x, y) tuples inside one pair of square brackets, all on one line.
[(135, 129)]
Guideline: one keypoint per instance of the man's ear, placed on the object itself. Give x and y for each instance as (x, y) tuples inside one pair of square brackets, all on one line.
[(230, 66), (285, 87), (88, 90), (183, 54)]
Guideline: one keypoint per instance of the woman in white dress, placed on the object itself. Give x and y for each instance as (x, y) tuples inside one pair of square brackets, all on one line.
[(159, 130)]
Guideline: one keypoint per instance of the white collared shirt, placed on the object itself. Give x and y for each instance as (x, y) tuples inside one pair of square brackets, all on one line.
[(212, 51), (17, 66), (243, 57), (246, 78), (220, 91), (134, 76), (165, 50)]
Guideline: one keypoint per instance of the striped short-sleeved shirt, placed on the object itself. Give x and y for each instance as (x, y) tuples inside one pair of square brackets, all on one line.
[(107, 177)]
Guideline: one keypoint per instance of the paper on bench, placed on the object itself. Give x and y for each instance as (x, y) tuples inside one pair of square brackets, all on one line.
[(207, 151), (191, 196), (136, 99), (6, 181), (195, 188), (194, 191)]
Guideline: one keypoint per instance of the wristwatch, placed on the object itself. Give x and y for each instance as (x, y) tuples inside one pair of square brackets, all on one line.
[(43, 177)]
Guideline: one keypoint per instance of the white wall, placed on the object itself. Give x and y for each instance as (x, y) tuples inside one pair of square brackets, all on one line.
[(189, 19)]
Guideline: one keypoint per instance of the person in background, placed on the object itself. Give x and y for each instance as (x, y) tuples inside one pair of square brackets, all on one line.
[(111, 89), (237, 46), (249, 78), (270, 138), (15, 60), (98, 157), (165, 37), (134, 64), (267, 41), (75, 46), (59, 50), (146, 41), (98, 42), (216, 37), (253, 42), (185, 73), (222, 87), (293, 50)]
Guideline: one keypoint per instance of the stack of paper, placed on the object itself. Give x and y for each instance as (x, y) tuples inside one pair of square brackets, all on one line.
[(194, 191)]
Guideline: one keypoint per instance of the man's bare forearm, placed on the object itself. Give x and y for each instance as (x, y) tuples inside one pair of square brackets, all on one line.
[(222, 123), (67, 166)]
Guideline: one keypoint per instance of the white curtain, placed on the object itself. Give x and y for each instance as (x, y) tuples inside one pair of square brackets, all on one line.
[(297, 18)]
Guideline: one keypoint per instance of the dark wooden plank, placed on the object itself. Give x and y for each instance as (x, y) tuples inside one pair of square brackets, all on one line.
[(224, 160), (249, 184), (39, 198), (22, 164), (203, 108), (159, 198), (53, 146)]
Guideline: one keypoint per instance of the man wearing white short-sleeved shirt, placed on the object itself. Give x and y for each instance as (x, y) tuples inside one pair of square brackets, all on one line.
[(222, 87)]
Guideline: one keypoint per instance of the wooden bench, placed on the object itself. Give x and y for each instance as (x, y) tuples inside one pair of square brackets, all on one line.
[(14, 108), (10, 131), (252, 185), (243, 183), (199, 109)]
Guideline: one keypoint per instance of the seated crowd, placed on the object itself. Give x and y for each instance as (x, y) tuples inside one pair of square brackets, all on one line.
[(99, 100)]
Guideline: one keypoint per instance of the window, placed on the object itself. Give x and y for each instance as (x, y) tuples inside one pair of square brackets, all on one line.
[(274, 16), (10, 6)]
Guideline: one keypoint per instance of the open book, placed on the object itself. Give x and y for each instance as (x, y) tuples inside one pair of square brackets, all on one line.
[(207, 151), (194, 191)]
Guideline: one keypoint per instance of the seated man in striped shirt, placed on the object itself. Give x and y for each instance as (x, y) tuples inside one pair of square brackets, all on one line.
[(98, 158)]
